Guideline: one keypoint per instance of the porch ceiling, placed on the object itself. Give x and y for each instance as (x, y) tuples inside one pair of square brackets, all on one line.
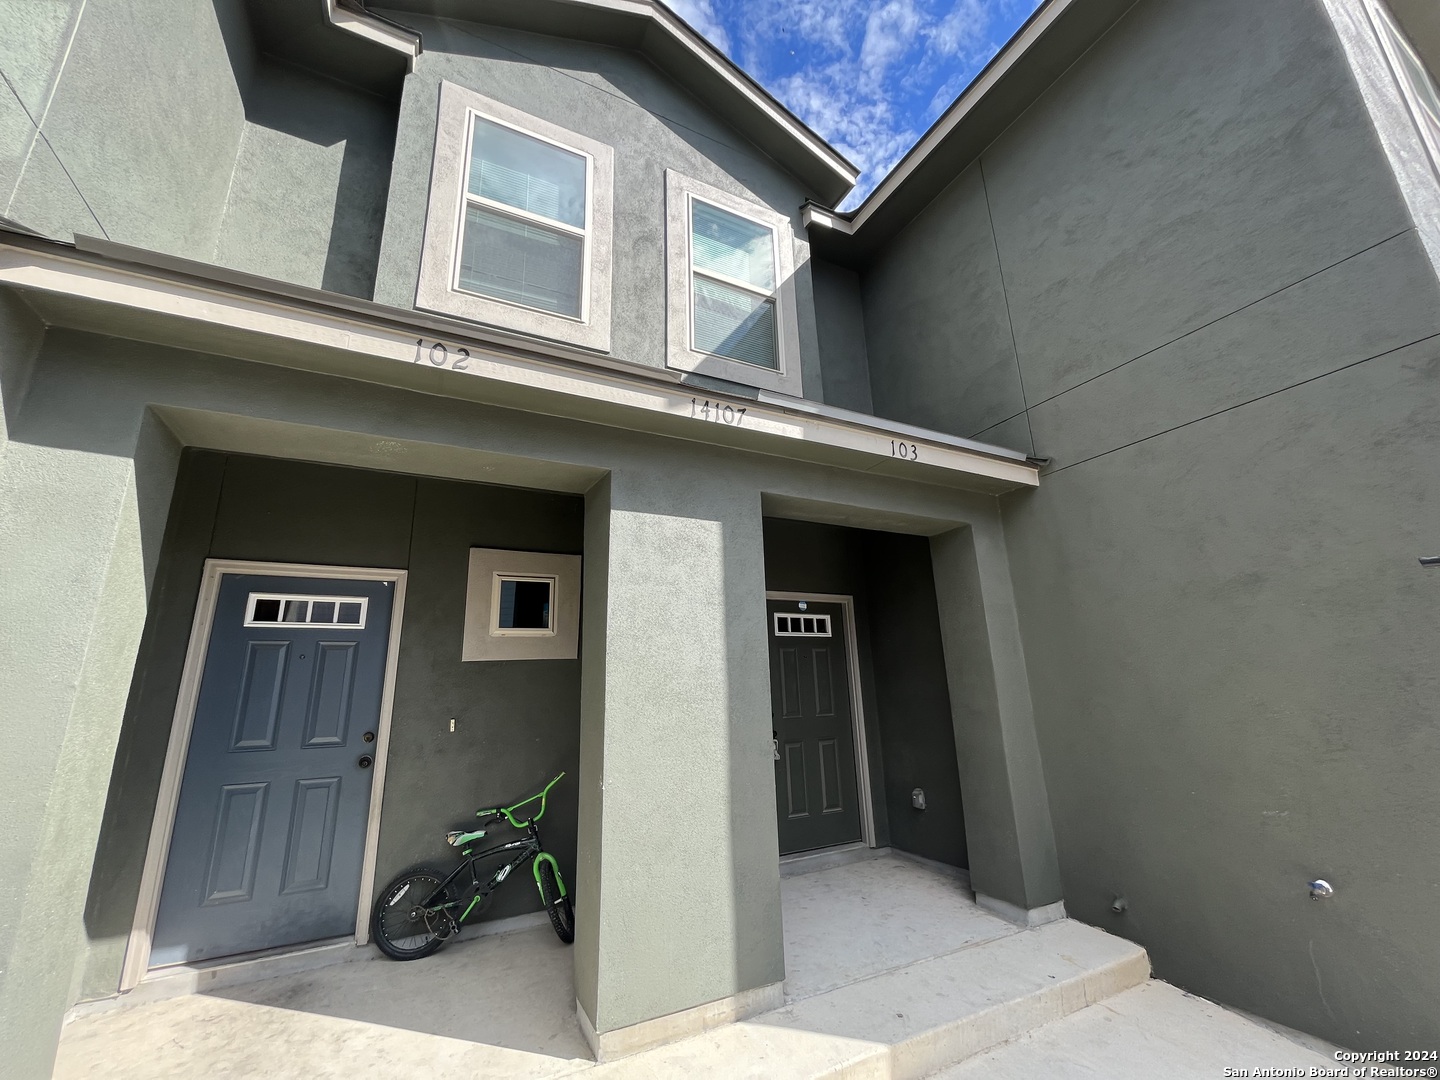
[(121, 292)]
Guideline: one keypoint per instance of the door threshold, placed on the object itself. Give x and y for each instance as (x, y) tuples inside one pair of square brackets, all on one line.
[(808, 862), (205, 976)]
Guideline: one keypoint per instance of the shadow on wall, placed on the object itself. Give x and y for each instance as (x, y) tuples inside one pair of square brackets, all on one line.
[(311, 178)]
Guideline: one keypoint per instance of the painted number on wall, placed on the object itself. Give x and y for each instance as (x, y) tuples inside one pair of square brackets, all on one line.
[(716, 413), (442, 356), (907, 450)]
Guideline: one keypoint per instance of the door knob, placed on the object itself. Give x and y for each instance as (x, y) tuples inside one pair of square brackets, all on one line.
[(775, 744), (365, 761)]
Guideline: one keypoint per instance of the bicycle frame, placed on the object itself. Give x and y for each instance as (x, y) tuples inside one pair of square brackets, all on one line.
[(529, 847)]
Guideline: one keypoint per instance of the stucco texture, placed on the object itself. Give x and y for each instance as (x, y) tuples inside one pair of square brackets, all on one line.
[(677, 883), (616, 97), (1224, 330)]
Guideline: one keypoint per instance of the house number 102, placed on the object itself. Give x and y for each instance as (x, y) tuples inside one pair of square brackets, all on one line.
[(440, 356)]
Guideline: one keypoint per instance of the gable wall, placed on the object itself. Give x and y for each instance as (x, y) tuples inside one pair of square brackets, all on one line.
[(616, 97), (1188, 277)]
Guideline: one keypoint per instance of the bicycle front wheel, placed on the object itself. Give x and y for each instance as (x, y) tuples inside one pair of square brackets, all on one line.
[(562, 915), (405, 923)]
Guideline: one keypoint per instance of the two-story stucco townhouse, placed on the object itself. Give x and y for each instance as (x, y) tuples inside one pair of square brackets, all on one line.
[(402, 406)]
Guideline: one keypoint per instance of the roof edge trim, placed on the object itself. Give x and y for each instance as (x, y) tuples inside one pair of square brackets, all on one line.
[(352, 17), (732, 73), (1034, 29)]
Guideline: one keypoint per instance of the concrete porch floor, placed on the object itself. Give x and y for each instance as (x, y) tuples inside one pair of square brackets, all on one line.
[(892, 971)]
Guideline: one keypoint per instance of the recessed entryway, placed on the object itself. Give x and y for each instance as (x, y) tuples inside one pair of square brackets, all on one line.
[(862, 729)]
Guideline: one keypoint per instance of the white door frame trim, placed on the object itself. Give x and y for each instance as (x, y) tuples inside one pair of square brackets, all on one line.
[(152, 878), (857, 708)]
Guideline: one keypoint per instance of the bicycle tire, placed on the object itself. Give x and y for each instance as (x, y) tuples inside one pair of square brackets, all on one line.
[(406, 934), (562, 914)]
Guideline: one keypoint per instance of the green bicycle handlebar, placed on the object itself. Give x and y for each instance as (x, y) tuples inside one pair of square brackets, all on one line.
[(508, 812)]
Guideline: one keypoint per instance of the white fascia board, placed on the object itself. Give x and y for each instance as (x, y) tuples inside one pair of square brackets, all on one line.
[(812, 216), (767, 424), (956, 114), (374, 30)]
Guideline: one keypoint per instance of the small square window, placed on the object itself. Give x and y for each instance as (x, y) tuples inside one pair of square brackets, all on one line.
[(521, 605)]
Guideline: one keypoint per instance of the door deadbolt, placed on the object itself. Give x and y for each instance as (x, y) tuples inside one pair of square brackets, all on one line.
[(369, 736), (365, 761)]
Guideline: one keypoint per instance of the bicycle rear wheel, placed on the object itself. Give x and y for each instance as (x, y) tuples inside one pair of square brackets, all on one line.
[(404, 923), (562, 915)]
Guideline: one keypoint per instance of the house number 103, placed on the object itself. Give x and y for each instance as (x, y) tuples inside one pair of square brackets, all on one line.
[(907, 450)]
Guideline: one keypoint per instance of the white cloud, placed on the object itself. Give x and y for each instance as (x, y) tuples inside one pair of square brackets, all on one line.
[(891, 32), (701, 15), (868, 75), (961, 29)]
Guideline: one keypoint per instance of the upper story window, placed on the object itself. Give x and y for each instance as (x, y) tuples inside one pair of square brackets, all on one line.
[(518, 233), (731, 304)]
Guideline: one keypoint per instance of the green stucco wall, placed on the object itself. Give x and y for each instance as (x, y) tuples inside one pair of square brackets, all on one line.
[(157, 125), (675, 784), (140, 111), (306, 202), (616, 97), (517, 723), (1187, 275)]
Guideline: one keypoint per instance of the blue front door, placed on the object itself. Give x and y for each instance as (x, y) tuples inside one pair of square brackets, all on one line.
[(270, 827)]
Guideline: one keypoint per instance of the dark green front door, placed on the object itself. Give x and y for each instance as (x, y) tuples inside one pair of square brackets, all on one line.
[(816, 796)]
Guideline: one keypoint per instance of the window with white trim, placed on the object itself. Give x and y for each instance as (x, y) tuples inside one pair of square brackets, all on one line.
[(731, 304), (524, 238), (518, 233)]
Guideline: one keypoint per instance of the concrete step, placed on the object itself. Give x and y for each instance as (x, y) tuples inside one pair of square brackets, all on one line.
[(1152, 1030), (914, 1020)]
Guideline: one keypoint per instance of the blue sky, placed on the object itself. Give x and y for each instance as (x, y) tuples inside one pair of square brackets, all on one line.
[(868, 75)]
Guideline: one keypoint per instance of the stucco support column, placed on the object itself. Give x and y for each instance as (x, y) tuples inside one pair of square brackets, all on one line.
[(678, 891), (83, 498), (1013, 864)]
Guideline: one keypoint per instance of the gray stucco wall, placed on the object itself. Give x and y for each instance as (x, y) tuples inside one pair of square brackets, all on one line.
[(161, 128), (840, 323), (306, 202), (21, 333), (611, 95), (691, 738), (1225, 330), (141, 113), (517, 723)]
